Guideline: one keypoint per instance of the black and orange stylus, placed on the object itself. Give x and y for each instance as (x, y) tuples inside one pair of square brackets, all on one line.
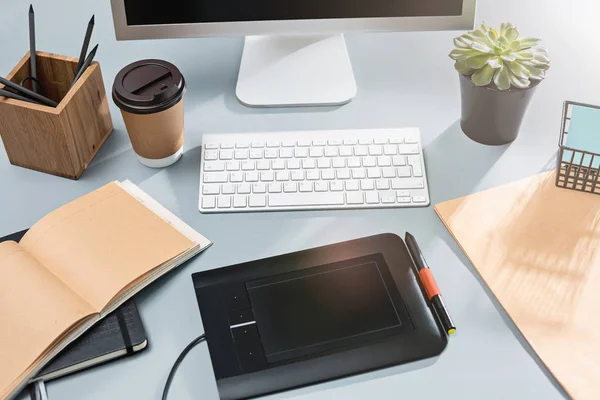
[(431, 287)]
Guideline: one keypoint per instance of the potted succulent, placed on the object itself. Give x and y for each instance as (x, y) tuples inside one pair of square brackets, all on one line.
[(498, 74)]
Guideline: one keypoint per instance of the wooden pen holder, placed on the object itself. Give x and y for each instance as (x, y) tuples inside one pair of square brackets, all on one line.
[(63, 140)]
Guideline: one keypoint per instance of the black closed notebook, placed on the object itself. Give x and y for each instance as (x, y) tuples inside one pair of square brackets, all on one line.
[(120, 334)]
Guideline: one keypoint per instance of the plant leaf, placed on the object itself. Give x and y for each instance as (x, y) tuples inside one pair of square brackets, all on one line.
[(495, 62), (518, 69), (536, 73), (540, 50), (502, 42), (518, 82), (462, 68), (503, 27), (493, 34), (459, 43), (481, 47), (511, 33), (485, 27), (523, 55), (508, 57), (480, 36), (461, 54), (483, 77), (540, 58), (478, 61), (501, 79)]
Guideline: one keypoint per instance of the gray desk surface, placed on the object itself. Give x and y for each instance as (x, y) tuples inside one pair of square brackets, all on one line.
[(404, 79)]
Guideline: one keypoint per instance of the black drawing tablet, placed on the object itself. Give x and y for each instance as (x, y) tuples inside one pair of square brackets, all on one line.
[(315, 315)]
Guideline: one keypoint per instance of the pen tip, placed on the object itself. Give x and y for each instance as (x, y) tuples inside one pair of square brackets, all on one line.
[(408, 235), (31, 8), (92, 20)]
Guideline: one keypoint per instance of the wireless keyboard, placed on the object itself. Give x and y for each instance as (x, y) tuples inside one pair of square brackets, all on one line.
[(312, 170)]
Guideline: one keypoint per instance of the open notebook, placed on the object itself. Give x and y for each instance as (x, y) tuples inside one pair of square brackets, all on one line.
[(78, 264)]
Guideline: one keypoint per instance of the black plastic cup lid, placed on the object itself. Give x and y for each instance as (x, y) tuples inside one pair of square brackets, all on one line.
[(148, 86)]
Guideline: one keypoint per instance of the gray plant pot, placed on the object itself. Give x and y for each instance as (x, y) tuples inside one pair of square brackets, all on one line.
[(491, 116)]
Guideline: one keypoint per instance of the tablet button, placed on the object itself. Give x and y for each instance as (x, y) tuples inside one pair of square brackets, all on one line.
[(237, 317), (237, 297), (251, 355), (244, 334)]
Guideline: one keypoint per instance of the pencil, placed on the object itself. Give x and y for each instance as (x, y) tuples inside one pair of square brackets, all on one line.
[(28, 93), (32, 54), (11, 95), (86, 64), (85, 45), (431, 288)]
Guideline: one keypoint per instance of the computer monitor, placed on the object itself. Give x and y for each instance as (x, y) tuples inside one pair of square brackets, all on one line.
[(294, 52)]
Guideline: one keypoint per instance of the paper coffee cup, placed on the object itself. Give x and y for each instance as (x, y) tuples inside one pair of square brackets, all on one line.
[(150, 96)]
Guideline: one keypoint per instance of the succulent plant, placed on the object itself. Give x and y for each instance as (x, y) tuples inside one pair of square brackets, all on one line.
[(499, 57)]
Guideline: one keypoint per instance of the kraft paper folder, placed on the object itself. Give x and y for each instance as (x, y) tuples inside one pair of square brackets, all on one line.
[(537, 247)]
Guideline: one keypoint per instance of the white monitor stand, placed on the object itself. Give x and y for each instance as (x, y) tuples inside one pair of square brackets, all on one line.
[(283, 71)]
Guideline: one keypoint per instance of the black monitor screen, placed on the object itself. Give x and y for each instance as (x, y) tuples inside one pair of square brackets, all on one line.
[(323, 308), (159, 12)]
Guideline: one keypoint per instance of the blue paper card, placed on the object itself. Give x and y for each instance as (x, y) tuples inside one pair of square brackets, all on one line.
[(584, 134)]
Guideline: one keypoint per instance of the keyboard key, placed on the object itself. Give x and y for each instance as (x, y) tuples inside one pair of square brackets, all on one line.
[(313, 175), (388, 172), (290, 187), (375, 150), (390, 150), (247, 165), (369, 161), (275, 187), (297, 175), (402, 193), (273, 143), (361, 150), (331, 151), (334, 142), (306, 199), (271, 153), (319, 142), (359, 173), (338, 162), (227, 145), (411, 183), (411, 138), (236, 177), (263, 165), (259, 188), (224, 202), (367, 184), (327, 174), (304, 142), (278, 164), (241, 154), (398, 161), (241, 145), (353, 162), (316, 152), (345, 151), (387, 197), (354, 198), (415, 163), (257, 200), (225, 154), (257, 144), (397, 140), (408, 149), (209, 202), (306, 186), (374, 172), (301, 152), (211, 146), (324, 163), (267, 176), (293, 164), (404, 172), (286, 153), (350, 142), (419, 199), (211, 188), (365, 141), (288, 143), (384, 161), (336, 186), (252, 176), (380, 140), (233, 165), (228, 188), (211, 155), (216, 177), (309, 163), (239, 201), (343, 173), (256, 153), (244, 188), (403, 199), (351, 185), (321, 186), (397, 184), (372, 197), (282, 176), (383, 184), (214, 166)]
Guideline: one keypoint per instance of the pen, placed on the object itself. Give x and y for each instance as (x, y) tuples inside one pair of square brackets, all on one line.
[(11, 95), (32, 54), (29, 93), (431, 288), (86, 64), (84, 46)]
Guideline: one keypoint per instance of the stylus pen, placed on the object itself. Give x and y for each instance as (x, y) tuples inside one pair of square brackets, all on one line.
[(32, 54), (26, 92), (85, 45), (11, 95), (431, 288)]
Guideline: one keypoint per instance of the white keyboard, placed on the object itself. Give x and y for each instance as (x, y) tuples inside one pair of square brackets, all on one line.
[(312, 170)]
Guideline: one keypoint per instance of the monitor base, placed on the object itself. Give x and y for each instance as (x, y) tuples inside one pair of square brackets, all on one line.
[(287, 71)]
